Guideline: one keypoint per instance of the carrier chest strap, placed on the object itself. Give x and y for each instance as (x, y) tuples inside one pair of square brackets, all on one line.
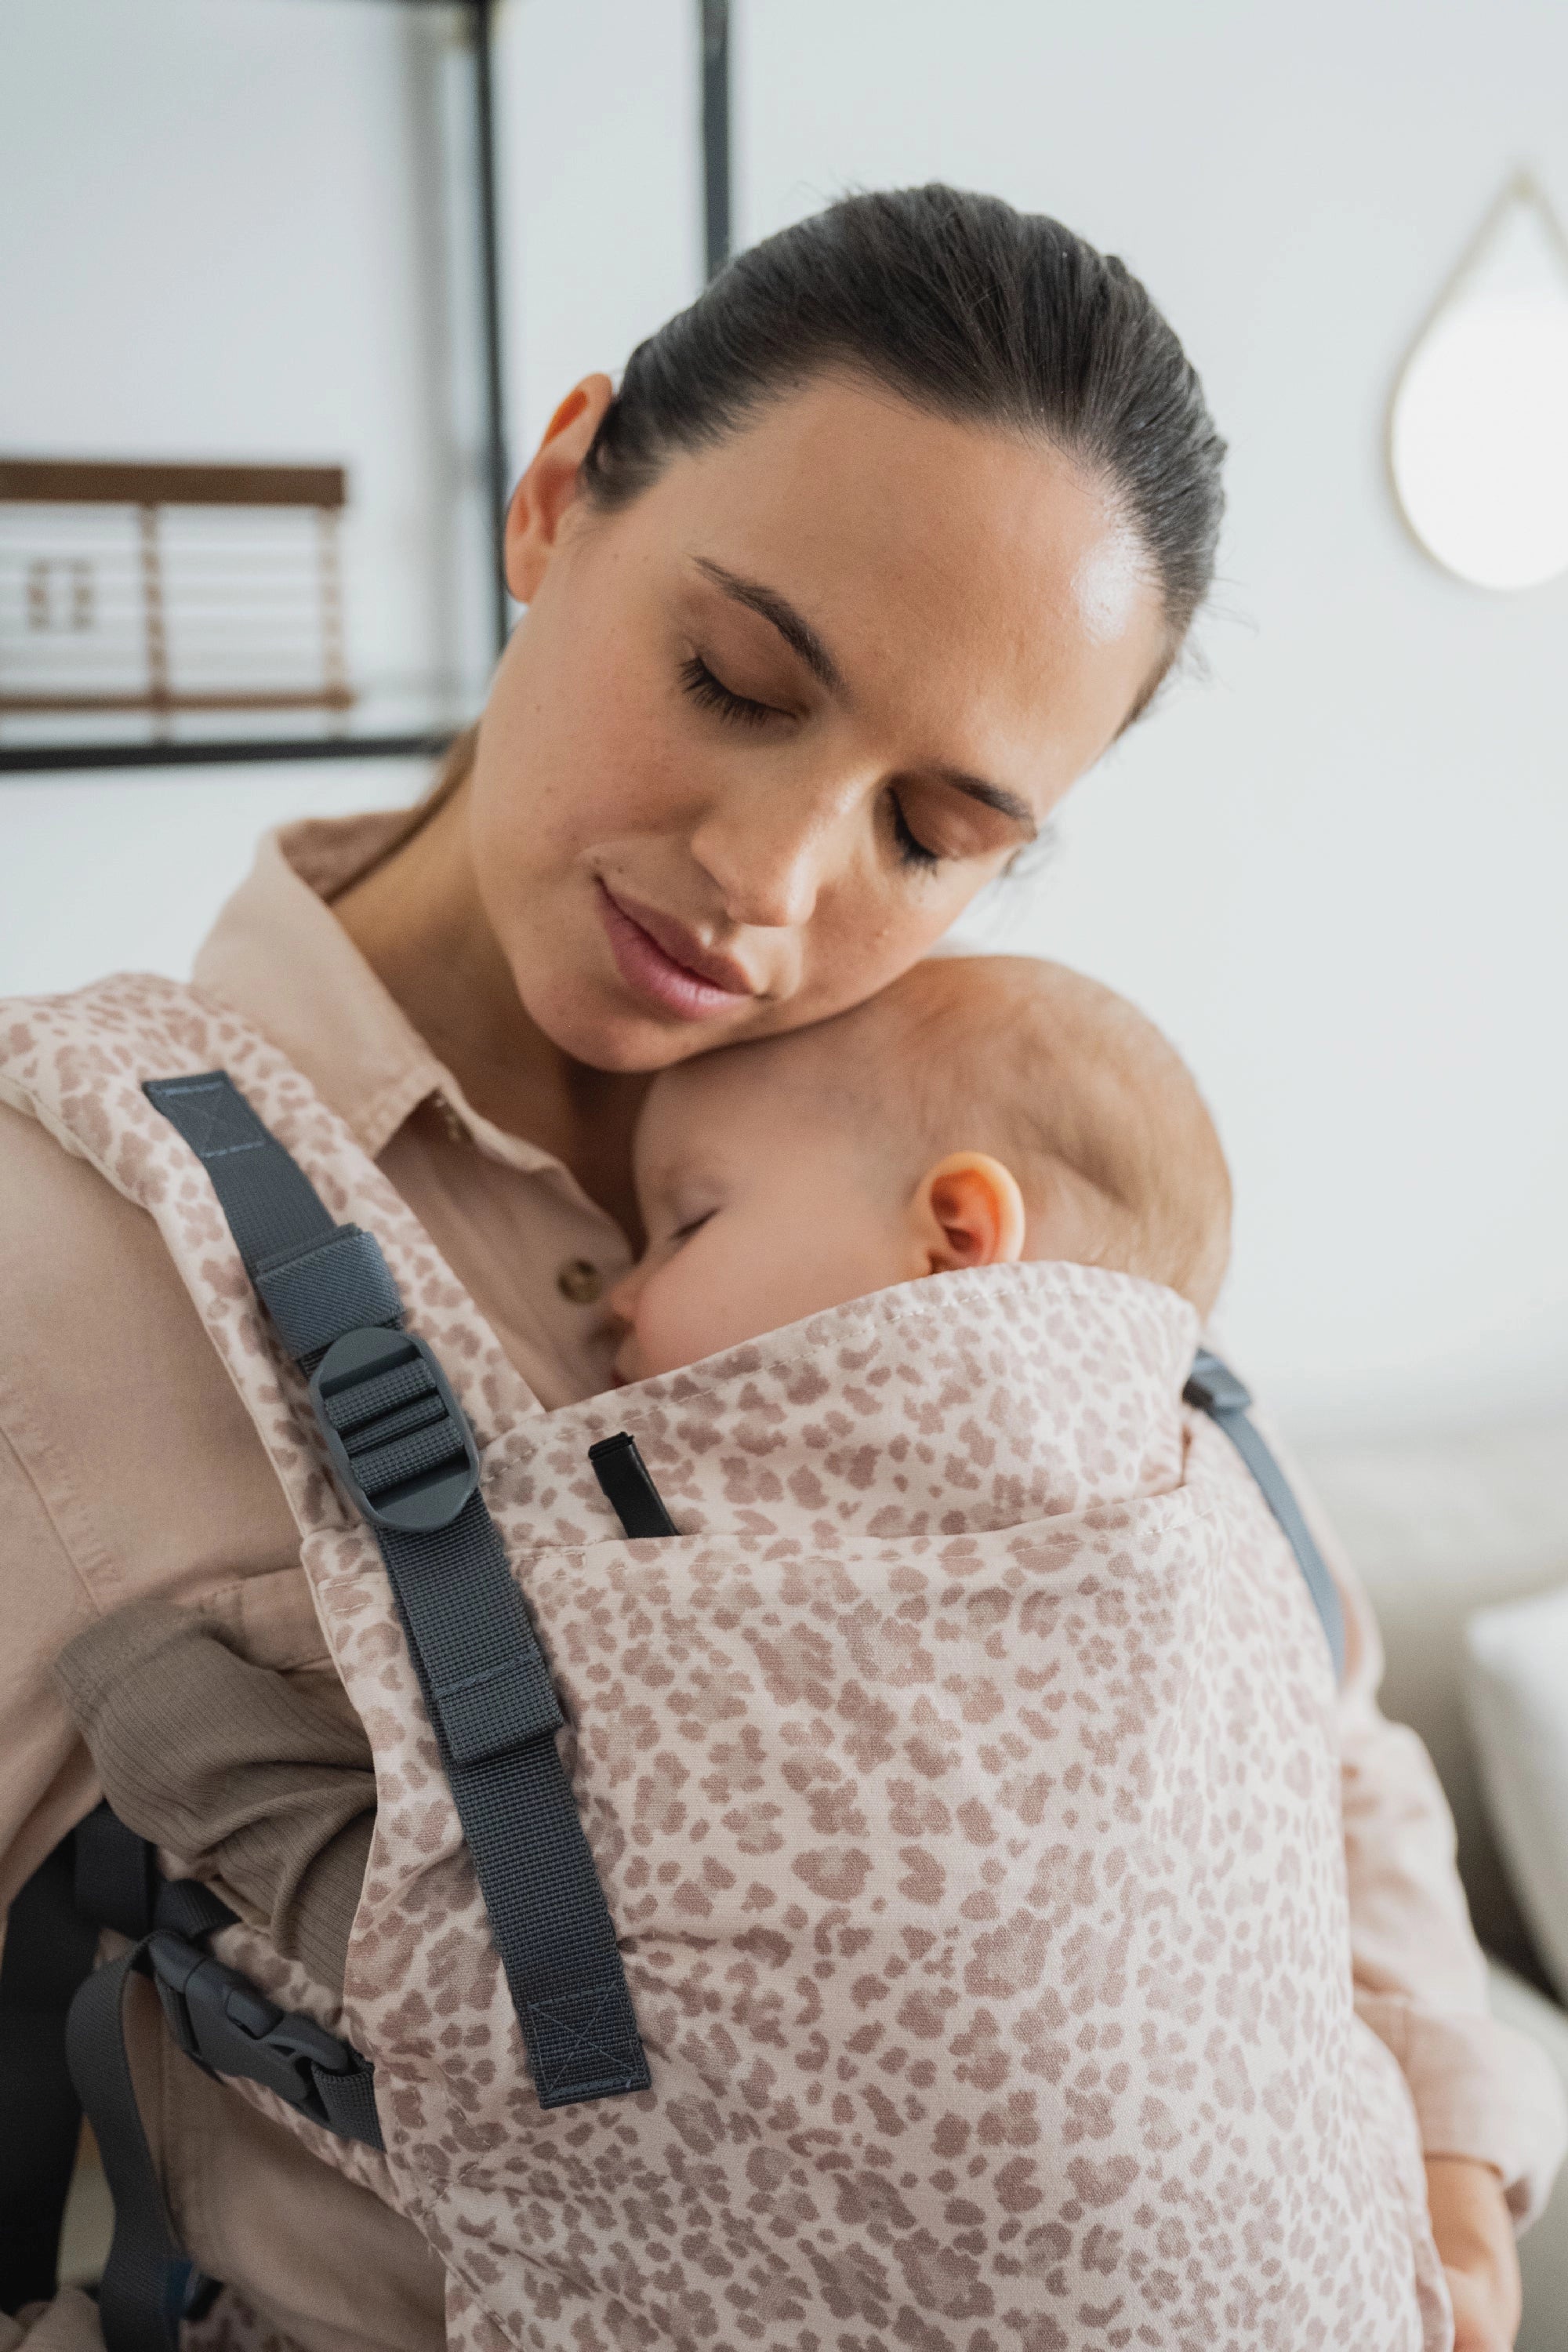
[(1214, 1388), (402, 1447)]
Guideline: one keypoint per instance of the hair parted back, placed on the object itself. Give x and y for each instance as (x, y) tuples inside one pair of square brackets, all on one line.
[(970, 309)]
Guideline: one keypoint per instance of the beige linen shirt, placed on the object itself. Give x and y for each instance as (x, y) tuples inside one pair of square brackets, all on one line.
[(128, 1468)]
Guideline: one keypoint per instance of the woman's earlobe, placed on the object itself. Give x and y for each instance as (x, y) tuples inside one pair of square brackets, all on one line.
[(549, 488), (971, 1213)]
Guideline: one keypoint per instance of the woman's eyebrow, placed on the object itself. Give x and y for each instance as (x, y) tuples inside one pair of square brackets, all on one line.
[(797, 632), (792, 626), (990, 796)]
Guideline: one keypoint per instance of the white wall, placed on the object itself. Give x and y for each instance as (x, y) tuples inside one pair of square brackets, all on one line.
[(601, 179), (1336, 871)]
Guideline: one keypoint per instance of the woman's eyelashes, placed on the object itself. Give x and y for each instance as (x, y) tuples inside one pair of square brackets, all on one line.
[(912, 849), (710, 692)]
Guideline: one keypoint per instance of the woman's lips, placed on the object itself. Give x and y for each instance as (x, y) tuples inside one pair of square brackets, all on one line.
[(657, 958)]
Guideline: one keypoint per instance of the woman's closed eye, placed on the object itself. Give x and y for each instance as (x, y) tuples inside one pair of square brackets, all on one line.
[(711, 694), (709, 690), (912, 849)]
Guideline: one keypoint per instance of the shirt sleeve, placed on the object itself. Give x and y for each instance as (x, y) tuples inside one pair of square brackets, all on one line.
[(128, 1466), (262, 1788), (47, 1783), (1480, 2089)]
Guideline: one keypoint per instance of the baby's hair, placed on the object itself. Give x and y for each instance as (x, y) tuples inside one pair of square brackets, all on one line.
[(1060, 1079)]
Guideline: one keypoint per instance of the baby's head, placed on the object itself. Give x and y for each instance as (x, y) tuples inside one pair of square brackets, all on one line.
[(984, 1108)]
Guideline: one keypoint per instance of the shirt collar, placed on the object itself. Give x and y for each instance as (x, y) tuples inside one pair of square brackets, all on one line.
[(279, 956)]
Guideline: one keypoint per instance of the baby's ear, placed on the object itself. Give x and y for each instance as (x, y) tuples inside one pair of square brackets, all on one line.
[(968, 1210)]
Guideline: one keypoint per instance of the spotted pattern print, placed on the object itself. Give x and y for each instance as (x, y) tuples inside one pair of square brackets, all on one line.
[(962, 1783)]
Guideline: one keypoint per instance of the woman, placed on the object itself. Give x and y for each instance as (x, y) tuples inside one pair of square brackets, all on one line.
[(875, 552)]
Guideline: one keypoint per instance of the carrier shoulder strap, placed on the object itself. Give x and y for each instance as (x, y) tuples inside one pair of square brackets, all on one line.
[(1214, 1388), (401, 1447)]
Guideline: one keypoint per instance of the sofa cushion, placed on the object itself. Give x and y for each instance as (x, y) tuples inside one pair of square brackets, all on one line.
[(1516, 1689), (1439, 1526)]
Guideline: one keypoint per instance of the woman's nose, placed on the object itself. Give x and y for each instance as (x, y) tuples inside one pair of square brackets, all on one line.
[(766, 861)]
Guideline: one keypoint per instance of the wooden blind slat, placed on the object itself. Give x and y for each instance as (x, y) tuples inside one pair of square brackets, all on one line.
[(69, 481)]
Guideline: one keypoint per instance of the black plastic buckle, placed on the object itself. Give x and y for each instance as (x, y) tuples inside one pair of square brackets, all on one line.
[(398, 1438), (1214, 1387), (222, 2020)]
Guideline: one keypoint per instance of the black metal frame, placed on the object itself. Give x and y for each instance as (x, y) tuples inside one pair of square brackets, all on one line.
[(481, 13), (222, 752), (714, 20), (715, 133)]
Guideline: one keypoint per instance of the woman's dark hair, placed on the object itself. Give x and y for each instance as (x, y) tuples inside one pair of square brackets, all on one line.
[(970, 309)]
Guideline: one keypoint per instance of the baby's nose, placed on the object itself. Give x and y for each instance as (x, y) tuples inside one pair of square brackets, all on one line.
[(620, 1304)]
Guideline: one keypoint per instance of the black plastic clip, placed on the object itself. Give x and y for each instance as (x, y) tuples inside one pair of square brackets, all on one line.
[(629, 1485), (228, 2027), (398, 1438)]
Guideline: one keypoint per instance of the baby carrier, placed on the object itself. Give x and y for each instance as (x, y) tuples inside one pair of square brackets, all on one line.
[(884, 1885)]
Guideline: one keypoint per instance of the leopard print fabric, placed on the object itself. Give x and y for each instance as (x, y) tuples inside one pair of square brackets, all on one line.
[(962, 1783)]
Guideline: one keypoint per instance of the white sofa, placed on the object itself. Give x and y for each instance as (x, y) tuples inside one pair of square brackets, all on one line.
[(1440, 1527)]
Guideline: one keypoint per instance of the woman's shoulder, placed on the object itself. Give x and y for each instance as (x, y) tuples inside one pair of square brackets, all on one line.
[(66, 1234)]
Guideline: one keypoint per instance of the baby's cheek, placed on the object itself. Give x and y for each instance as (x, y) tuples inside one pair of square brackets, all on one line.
[(701, 1301)]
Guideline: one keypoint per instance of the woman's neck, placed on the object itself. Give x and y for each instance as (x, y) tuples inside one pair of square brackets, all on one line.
[(417, 920)]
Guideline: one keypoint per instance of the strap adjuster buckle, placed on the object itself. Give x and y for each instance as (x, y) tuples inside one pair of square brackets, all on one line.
[(228, 2027), (397, 1437), (1214, 1387)]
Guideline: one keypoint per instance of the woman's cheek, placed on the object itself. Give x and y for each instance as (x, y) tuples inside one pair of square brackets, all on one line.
[(876, 933)]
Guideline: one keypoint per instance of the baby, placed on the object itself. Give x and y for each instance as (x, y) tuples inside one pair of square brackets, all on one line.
[(981, 1110)]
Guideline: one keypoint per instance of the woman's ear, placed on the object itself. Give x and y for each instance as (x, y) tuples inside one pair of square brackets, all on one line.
[(547, 492), (968, 1210)]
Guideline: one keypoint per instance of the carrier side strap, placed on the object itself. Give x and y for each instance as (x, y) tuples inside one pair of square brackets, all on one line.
[(49, 1951), (218, 2019), (1214, 1388), (401, 1445), (149, 2283)]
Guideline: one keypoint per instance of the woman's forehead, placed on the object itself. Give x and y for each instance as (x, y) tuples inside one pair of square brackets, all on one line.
[(967, 576)]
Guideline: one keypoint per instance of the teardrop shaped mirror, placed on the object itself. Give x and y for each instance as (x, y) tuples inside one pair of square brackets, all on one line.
[(1479, 423)]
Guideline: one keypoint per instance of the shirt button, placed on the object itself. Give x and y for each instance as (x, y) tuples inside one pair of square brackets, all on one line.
[(456, 1132), (579, 1282)]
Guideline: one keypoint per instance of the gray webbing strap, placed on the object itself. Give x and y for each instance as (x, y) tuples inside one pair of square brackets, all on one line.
[(401, 1447), (1214, 1388), (227, 2024)]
